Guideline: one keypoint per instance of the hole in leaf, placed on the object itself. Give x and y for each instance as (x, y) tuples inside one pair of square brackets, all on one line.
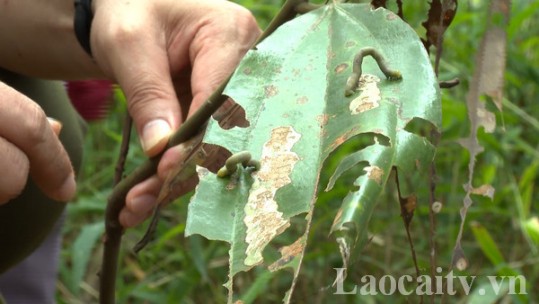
[(216, 157), (231, 115), (297, 227), (347, 170), (287, 246), (420, 127)]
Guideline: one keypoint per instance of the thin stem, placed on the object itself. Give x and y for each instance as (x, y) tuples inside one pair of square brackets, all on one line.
[(407, 213), (448, 84), (113, 239), (124, 149), (303, 8), (435, 138)]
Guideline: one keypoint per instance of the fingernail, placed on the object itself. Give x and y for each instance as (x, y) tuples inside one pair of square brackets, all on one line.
[(55, 125), (67, 191), (154, 136)]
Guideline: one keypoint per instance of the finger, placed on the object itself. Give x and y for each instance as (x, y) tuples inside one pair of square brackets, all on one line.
[(139, 202), (55, 125), (24, 124), (147, 188), (130, 219), (218, 48), (134, 52), (14, 161)]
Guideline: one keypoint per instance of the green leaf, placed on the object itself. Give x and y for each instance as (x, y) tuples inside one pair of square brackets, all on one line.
[(532, 228), (488, 293), (82, 251), (487, 244), (493, 253), (292, 90), (259, 286)]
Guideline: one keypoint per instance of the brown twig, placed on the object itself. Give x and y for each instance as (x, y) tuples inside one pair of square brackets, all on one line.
[(400, 12), (113, 238), (305, 7), (448, 84), (124, 149), (408, 205), (116, 201), (435, 138)]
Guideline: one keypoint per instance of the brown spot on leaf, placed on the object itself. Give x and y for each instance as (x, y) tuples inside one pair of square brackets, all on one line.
[(340, 68), (322, 119), (302, 100), (350, 44), (288, 253), (232, 184), (278, 169), (369, 97), (247, 71), (341, 139), (375, 173), (263, 219), (391, 16), (270, 90), (331, 55)]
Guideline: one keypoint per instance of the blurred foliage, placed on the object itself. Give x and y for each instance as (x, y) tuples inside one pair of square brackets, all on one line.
[(501, 236)]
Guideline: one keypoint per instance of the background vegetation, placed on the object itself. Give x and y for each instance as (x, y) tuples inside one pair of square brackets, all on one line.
[(501, 236)]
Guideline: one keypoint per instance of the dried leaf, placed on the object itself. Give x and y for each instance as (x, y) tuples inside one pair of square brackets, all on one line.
[(487, 79), (484, 190), (440, 17), (491, 59)]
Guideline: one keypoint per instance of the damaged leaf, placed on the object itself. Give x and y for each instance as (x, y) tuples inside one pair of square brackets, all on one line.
[(487, 79), (291, 90), (441, 14)]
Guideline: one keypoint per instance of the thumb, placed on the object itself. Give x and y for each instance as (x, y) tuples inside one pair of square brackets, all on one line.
[(153, 104), (141, 68), (151, 101)]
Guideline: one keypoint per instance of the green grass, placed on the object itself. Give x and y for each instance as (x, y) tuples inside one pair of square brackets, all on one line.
[(501, 236)]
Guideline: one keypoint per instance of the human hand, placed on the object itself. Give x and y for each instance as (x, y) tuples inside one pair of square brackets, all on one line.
[(168, 57), (29, 146)]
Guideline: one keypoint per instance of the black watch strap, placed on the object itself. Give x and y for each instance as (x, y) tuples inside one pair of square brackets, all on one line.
[(83, 23)]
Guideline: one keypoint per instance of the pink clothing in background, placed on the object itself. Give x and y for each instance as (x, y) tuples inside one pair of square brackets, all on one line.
[(91, 98)]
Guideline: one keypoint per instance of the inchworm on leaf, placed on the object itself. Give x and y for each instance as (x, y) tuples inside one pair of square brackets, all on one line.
[(353, 81), (231, 164)]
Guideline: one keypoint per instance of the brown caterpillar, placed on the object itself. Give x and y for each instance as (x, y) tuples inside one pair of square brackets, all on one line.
[(353, 80)]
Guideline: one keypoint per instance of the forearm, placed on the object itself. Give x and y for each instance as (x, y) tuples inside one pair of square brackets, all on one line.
[(37, 39)]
